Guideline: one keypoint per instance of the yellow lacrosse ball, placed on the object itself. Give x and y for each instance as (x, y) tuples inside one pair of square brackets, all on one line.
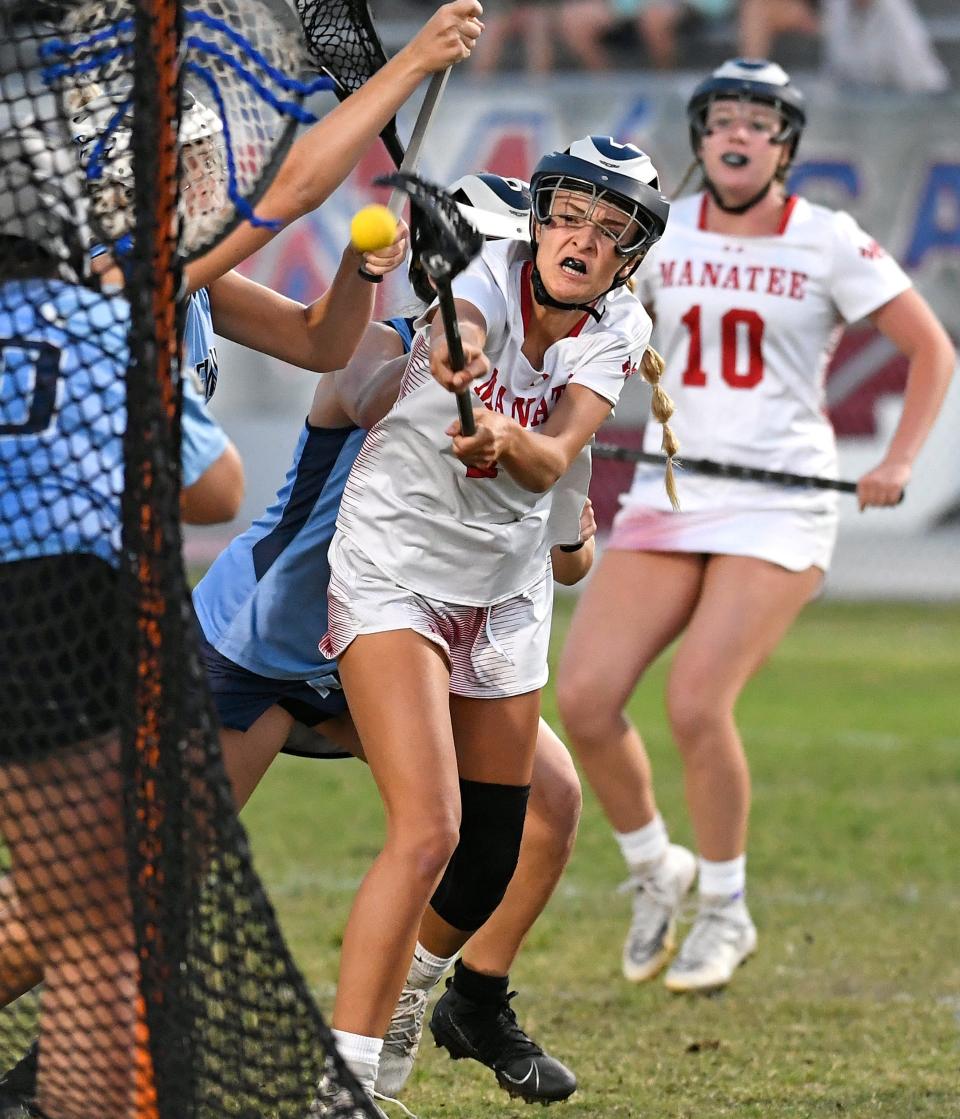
[(372, 228)]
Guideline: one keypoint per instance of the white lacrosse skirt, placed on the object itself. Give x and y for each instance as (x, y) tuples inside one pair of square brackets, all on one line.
[(792, 538)]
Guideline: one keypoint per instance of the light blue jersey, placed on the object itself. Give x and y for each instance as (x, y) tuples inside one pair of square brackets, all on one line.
[(263, 602), (199, 352), (203, 440), (62, 417)]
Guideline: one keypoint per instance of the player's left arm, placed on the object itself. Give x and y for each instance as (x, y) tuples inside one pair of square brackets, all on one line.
[(910, 324), (534, 459), (321, 336)]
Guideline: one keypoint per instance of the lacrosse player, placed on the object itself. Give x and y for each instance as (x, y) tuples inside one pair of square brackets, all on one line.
[(748, 289), (439, 569), (262, 602)]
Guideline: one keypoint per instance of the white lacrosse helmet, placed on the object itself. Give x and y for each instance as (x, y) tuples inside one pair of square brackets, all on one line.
[(106, 154), (197, 122), (494, 205)]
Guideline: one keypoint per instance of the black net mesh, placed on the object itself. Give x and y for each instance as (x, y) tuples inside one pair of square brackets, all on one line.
[(343, 43), (135, 939)]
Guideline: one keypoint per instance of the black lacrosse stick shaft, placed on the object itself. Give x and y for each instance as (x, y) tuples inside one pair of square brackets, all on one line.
[(449, 243), (451, 328), (728, 470)]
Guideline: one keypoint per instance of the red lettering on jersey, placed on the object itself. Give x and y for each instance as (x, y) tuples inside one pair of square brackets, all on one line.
[(501, 393), (485, 391), (733, 278), (872, 251), (521, 409), (667, 269), (541, 414), (797, 281), (686, 275), (711, 275), (754, 270), (556, 392), (775, 282)]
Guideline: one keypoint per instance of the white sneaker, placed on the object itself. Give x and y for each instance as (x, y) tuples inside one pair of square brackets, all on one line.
[(659, 889), (402, 1040), (721, 939), (334, 1100)]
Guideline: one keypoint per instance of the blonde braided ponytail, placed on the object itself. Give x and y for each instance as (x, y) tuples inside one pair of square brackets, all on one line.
[(662, 407)]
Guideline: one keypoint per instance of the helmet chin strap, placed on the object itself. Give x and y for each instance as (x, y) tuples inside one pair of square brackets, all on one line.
[(744, 206), (545, 299)]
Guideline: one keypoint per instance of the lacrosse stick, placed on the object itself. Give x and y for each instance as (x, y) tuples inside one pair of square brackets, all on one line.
[(241, 60), (729, 470), (411, 157), (343, 43), (451, 243)]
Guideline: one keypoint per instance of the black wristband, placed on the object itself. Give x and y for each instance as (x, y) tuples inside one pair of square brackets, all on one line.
[(369, 276), (572, 547)]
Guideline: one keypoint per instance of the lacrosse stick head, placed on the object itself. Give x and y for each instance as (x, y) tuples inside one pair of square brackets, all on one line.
[(243, 71), (447, 240), (342, 42)]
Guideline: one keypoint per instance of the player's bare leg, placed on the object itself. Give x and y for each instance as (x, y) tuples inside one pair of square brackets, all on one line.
[(403, 719), (89, 1003), (247, 755), (20, 969), (745, 607), (635, 605), (603, 660)]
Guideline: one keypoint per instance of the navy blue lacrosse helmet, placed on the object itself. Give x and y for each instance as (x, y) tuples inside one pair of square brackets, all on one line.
[(620, 174), (750, 79)]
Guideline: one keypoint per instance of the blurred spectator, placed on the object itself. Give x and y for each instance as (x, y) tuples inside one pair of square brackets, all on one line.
[(585, 23), (532, 22), (761, 21), (881, 43)]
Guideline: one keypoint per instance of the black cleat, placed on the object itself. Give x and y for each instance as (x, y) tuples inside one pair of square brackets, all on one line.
[(18, 1086), (489, 1033)]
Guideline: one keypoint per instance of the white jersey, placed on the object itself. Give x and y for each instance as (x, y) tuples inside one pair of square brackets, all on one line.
[(463, 535), (747, 327)]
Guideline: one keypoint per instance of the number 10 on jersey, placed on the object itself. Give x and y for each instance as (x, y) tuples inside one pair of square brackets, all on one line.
[(735, 325)]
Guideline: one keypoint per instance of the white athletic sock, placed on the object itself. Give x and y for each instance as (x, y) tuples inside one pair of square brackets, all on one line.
[(361, 1055), (427, 970), (725, 880), (646, 844)]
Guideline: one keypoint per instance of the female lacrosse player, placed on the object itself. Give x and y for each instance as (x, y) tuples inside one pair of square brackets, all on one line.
[(61, 474), (59, 591), (439, 566), (262, 603), (748, 289)]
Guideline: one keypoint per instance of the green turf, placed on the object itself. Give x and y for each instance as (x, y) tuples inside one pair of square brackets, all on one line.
[(851, 1007)]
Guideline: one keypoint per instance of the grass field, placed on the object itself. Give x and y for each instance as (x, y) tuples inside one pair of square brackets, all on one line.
[(852, 1005)]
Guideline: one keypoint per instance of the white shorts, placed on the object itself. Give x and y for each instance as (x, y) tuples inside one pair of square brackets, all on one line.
[(493, 651), (792, 538)]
